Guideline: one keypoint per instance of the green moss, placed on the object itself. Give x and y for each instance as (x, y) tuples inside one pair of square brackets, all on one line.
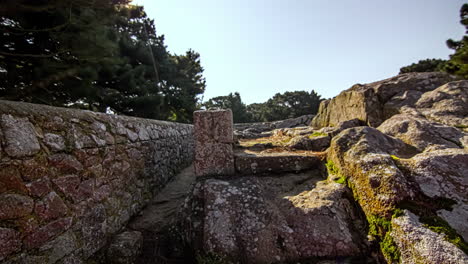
[(380, 228), (439, 225), (389, 248), (461, 126), (427, 212), (331, 168), (341, 180), (317, 134), (397, 213)]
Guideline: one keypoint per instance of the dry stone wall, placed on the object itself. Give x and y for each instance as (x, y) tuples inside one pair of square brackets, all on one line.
[(69, 179)]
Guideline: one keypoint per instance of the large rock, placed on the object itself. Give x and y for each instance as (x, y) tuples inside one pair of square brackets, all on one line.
[(444, 174), (248, 220), (418, 244), (319, 143), (375, 102), (263, 129), (423, 134), (363, 154), (20, 136), (281, 162), (446, 104)]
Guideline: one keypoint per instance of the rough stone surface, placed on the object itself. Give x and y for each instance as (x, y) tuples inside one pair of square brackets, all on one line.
[(10, 242), (266, 220), (261, 163), (256, 130), (423, 134), (420, 245), (363, 155), (446, 104), (13, 206), (444, 173), (125, 248), (70, 179), (213, 145), (375, 102), (319, 143), (20, 136)]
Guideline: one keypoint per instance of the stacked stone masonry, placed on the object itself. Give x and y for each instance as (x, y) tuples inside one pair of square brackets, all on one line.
[(70, 179)]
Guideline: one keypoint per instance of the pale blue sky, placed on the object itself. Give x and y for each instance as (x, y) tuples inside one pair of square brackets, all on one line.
[(262, 47)]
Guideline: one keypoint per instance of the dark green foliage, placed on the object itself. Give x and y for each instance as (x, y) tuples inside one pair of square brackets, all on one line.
[(427, 65), (380, 228), (279, 107), (458, 63), (233, 102), (290, 105), (331, 168), (99, 55)]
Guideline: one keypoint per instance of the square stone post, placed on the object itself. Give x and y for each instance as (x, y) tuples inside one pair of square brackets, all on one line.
[(214, 138)]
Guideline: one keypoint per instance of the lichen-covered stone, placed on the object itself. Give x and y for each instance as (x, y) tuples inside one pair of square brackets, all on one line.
[(261, 163), (421, 133), (418, 244), (248, 220), (47, 232), (320, 143), (125, 248), (60, 247), (10, 180), (10, 242), (375, 102), (214, 138), (13, 206), (444, 174), (446, 104), (54, 141), (20, 136), (363, 155), (51, 207), (90, 172)]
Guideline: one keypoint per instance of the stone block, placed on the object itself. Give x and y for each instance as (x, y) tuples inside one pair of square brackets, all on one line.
[(47, 232), (213, 159), (51, 207), (60, 247), (20, 136), (55, 142), (13, 206), (39, 188), (10, 180), (213, 142), (10, 242), (213, 126)]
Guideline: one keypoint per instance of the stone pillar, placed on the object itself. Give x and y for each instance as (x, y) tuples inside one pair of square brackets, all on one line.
[(213, 142)]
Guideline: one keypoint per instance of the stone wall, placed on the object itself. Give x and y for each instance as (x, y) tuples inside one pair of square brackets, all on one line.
[(69, 179)]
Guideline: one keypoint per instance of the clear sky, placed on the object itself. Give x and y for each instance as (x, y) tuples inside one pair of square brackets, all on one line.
[(262, 47)]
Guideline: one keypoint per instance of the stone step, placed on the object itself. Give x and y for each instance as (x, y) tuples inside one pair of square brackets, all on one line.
[(268, 162)]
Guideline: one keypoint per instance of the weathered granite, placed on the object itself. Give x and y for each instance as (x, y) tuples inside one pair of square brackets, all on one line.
[(69, 179), (375, 102), (273, 220), (213, 142), (418, 244)]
